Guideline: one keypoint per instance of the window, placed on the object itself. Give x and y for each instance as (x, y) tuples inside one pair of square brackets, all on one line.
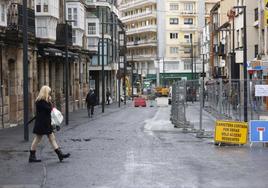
[(42, 5), (188, 21), (38, 6), (69, 14), (187, 38), (187, 65), (74, 36), (92, 28), (174, 21), (189, 7), (174, 50), (45, 6), (75, 16), (256, 50), (173, 35), (3, 13), (256, 14), (174, 6)]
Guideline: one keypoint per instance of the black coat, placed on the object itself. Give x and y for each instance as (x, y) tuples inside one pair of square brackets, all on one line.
[(91, 99), (42, 124)]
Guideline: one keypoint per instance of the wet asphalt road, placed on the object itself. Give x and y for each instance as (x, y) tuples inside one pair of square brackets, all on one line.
[(138, 148)]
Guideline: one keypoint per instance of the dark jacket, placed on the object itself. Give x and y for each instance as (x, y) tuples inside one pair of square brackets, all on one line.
[(91, 99), (42, 124)]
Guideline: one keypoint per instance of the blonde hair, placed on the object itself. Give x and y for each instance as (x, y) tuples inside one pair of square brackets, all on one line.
[(44, 93)]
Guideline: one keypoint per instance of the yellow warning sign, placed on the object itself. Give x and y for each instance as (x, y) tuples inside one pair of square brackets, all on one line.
[(265, 12), (231, 132)]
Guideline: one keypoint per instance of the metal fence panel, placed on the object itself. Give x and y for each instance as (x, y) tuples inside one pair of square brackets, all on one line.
[(196, 105)]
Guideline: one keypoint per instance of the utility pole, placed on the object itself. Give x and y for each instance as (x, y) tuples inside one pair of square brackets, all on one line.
[(66, 70), (102, 61), (245, 67), (25, 71), (245, 61)]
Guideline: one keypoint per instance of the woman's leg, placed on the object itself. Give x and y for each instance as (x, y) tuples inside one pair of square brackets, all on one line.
[(52, 140), (37, 139)]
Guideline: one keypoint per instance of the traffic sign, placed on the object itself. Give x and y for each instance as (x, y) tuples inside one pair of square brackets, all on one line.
[(202, 74), (231, 132), (258, 131)]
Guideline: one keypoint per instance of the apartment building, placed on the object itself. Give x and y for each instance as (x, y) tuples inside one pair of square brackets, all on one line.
[(140, 18), (179, 51)]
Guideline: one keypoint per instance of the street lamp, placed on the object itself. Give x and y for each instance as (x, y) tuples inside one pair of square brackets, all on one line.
[(244, 61), (102, 61), (25, 71), (66, 70)]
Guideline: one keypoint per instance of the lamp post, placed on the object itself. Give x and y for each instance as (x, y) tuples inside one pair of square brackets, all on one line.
[(66, 67), (25, 71), (244, 61), (122, 60), (102, 62), (102, 66)]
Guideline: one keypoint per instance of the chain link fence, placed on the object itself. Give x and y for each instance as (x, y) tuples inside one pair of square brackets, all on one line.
[(196, 104)]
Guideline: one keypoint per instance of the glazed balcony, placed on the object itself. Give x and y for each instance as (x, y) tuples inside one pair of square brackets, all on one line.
[(14, 28)]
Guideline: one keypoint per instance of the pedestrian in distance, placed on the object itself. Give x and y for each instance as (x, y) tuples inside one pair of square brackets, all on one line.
[(91, 101), (108, 96), (43, 125)]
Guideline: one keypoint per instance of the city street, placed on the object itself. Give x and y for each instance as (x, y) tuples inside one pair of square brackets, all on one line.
[(130, 148)]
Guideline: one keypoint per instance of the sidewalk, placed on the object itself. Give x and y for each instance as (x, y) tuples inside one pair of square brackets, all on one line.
[(13, 139), (16, 172), (193, 116)]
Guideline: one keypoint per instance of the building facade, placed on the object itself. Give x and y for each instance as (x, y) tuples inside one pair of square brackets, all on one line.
[(103, 16), (159, 38), (140, 18), (227, 34), (11, 58), (205, 38), (179, 51), (47, 53)]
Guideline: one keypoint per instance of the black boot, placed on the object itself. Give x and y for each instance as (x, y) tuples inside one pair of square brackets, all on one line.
[(62, 155), (32, 158)]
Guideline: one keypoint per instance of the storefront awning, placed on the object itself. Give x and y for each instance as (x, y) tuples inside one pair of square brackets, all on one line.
[(54, 52)]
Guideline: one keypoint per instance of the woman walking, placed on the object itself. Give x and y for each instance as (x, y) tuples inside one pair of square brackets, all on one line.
[(43, 125)]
